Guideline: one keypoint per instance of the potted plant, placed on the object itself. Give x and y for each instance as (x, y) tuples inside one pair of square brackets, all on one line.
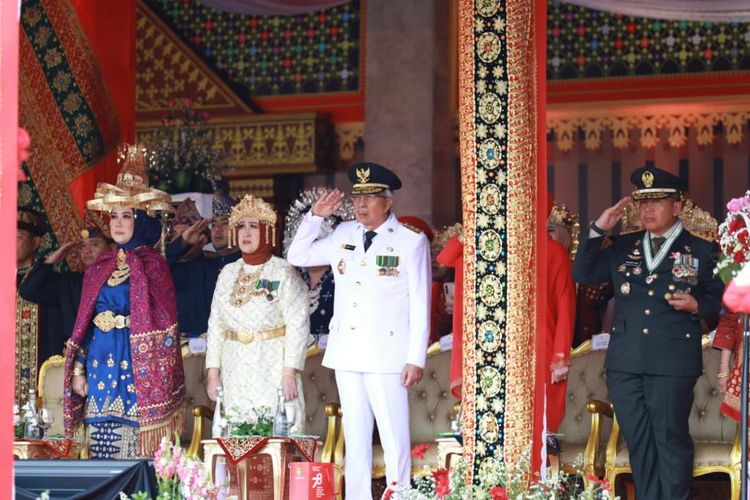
[(182, 152)]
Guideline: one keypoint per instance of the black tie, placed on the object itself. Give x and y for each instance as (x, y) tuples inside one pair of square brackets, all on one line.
[(369, 235), (656, 243)]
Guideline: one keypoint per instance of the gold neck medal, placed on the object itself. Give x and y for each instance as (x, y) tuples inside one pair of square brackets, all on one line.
[(244, 286), (121, 272)]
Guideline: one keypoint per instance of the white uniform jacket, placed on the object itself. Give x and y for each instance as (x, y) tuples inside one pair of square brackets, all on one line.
[(381, 314)]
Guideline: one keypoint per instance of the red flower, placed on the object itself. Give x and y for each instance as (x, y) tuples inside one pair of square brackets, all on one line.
[(742, 237), (593, 478), (736, 224), (738, 258), (499, 493), (442, 483), (419, 451)]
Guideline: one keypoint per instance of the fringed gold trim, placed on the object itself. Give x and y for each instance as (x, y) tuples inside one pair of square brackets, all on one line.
[(467, 131), (521, 222), (150, 436)]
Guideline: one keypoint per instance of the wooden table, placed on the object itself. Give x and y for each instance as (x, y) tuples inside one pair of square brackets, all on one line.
[(253, 467)]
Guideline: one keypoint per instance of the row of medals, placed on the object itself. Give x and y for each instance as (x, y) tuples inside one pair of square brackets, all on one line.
[(680, 270), (382, 270)]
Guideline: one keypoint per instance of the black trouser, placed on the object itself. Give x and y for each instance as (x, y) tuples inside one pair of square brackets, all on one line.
[(653, 412)]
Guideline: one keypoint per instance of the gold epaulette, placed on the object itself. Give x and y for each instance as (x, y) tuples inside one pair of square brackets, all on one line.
[(411, 227)]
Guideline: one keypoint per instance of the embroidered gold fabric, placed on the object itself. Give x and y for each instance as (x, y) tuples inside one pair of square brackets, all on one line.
[(27, 347), (244, 286), (251, 372), (121, 272)]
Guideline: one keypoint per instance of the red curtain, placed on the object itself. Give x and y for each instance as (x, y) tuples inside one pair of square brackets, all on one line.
[(110, 27)]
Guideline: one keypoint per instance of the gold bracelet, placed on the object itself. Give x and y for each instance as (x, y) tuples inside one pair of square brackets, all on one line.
[(77, 372), (289, 371), (288, 375), (722, 375)]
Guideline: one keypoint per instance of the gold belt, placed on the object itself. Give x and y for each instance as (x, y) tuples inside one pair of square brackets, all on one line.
[(250, 337), (107, 321)]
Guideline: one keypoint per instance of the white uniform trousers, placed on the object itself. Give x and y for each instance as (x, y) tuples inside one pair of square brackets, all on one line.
[(364, 396)]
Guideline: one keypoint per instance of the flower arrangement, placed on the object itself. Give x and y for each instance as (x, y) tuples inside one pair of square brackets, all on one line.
[(498, 483), (183, 153), (180, 476), (255, 422), (734, 238)]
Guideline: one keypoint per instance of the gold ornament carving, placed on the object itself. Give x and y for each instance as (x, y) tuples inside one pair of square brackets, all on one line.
[(652, 124)]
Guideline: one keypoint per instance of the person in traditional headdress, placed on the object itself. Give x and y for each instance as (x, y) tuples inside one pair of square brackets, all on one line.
[(124, 379), (62, 289), (37, 333), (259, 326), (319, 279), (195, 278)]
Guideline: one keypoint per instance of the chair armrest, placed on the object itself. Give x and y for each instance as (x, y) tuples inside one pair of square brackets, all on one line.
[(199, 412), (592, 451), (332, 411), (598, 406)]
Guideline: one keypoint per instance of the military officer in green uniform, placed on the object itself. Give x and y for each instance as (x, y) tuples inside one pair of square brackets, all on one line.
[(664, 283)]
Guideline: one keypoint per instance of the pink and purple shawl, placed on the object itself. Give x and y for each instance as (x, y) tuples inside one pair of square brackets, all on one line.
[(154, 344)]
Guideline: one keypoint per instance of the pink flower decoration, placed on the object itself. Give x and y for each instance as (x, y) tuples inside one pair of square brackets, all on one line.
[(734, 205), (737, 297)]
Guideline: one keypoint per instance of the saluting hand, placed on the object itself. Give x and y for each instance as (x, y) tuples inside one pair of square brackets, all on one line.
[(62, 252), (611, 216), (194, 234), (328, 203)]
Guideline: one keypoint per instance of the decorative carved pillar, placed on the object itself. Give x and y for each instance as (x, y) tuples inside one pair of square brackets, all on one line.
[(501, 94)]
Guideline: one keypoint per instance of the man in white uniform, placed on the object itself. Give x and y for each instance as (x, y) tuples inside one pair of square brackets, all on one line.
[(381, 321)]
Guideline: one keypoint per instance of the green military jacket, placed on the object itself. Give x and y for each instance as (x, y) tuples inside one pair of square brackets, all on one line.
[(649, 336)]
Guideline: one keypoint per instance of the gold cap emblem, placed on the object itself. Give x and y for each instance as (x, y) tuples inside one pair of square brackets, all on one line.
[(648, 179), (363, 175), (84, 233)]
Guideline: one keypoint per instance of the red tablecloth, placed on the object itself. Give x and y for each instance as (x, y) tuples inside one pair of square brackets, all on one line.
[(238, 447), (57, 447)]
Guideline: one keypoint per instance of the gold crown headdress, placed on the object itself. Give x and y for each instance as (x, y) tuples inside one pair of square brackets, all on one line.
[(132, 189), (561, 216), (255, 208)]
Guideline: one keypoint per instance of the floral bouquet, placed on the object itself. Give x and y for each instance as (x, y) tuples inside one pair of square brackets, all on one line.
[(183, 152), (734, 238), (255, 422), (180, 476), (498, 482)]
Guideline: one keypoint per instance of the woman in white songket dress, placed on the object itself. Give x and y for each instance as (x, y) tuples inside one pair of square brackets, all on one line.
[(259, 328)]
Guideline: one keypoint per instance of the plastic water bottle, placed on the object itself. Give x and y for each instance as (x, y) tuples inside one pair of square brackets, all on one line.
[(280, 422), (217, 427), (31, 429)]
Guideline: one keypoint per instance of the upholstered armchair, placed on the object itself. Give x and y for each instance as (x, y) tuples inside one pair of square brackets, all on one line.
[(716, 437), (50, 391), (583, 433)]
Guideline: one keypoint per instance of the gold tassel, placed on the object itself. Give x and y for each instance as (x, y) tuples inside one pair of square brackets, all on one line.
[(150, 436)]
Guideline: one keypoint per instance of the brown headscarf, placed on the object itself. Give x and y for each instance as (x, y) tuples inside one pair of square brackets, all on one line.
[(263, 252)]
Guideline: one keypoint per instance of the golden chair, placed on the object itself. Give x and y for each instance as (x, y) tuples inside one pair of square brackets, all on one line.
[(581, 438), (716, 437)]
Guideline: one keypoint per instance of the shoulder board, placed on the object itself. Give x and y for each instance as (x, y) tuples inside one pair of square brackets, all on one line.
[(411, 227)]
